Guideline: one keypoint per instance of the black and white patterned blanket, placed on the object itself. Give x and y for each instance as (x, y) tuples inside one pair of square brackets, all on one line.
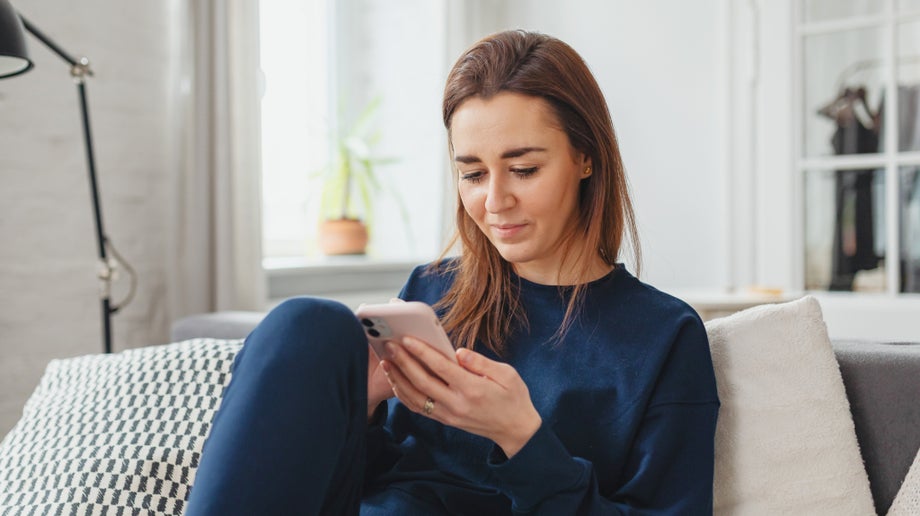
[(115, 434)]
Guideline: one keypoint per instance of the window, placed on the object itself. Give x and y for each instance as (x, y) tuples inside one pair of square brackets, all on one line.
[(858, 143), (295, 121), (323, 62)]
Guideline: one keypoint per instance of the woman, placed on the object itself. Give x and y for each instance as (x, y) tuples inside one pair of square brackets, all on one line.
[(577, 390)]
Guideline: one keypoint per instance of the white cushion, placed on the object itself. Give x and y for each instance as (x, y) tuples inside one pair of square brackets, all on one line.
[(907, 502), (785, 440), (115, 434)]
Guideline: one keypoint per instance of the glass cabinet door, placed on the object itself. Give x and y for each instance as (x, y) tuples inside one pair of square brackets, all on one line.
[(845, 230), (859, 148), (909, 141), (844, 88), (908, 68), (910, 229)]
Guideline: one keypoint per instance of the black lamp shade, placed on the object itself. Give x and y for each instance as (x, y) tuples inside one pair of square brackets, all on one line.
[(14, 56)]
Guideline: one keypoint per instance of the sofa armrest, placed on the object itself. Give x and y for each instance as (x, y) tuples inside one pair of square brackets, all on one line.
[(216, 325), (882, 381)]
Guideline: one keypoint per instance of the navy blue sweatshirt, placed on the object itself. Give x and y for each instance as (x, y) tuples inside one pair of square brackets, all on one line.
[(628, 401)]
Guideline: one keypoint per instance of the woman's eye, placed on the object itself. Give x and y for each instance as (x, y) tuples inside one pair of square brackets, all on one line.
[(471, 177), (524, 172)]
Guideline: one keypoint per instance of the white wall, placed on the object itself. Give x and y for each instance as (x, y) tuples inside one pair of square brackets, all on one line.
[(662, 68), (48, 288)]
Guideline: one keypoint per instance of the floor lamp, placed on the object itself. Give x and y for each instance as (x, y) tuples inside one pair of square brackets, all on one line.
[(14, 60)]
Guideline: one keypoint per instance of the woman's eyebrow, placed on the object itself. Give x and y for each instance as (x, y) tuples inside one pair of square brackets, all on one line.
[(511, 153)]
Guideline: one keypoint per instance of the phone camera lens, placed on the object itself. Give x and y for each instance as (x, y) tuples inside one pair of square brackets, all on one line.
[(373, 333), (367, 322)]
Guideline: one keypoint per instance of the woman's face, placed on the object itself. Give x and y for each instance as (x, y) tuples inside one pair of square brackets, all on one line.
[(518, 178)]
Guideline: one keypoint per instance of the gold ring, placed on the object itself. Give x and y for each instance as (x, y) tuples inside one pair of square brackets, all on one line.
[(428, 407)]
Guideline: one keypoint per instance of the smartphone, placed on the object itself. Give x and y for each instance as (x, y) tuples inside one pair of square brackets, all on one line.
[(393, 321)]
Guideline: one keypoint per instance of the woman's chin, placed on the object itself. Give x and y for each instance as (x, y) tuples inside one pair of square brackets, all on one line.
[(514, 256)]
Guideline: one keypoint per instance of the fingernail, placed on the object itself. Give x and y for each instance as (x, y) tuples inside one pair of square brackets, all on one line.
[(385, 366), (391, 347), (463, 355), (410, 343)]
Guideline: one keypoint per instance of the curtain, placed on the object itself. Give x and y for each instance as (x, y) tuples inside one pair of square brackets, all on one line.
[(215, 245)]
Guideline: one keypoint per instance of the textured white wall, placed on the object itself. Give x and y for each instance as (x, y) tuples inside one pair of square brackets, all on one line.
[(48, 289)]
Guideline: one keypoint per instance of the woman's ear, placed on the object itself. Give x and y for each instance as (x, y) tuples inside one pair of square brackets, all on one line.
[(586, 169)]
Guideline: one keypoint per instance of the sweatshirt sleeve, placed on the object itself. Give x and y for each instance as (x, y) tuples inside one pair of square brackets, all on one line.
[(376, 435), (668, 468), (381, 451)]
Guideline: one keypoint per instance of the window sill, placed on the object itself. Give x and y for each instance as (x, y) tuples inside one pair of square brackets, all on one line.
[(336, 276)]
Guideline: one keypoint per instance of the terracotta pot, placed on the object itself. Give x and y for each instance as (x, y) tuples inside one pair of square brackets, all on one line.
[(342, 236)]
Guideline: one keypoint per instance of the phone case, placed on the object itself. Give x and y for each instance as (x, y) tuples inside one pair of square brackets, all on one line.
[(393, 321)]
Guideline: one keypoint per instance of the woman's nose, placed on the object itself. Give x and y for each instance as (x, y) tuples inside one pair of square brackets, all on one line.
[(499, 197)]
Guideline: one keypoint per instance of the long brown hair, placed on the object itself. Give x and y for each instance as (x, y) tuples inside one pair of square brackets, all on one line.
[(483, 302)]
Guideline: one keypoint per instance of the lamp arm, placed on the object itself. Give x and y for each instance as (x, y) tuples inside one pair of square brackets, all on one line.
[(48, 42)]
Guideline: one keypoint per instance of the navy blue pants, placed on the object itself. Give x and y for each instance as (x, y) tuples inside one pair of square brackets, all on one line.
[(290, 435)]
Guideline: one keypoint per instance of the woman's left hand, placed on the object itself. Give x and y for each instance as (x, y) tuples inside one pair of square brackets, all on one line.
[(479, 395)]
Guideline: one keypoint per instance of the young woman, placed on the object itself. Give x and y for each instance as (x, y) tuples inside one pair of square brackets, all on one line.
[(577, 389)]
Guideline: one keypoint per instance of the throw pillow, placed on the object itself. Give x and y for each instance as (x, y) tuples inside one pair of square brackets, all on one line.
[(907, 502), (785, 440), (115, 434)]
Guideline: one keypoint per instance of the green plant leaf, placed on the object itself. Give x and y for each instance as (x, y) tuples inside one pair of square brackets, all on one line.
[(366, 117), (367, 199)]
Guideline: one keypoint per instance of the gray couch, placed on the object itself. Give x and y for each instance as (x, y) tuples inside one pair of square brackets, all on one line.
[(882, 381)]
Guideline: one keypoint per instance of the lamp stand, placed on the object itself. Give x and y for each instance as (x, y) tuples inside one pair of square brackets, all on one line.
[(107, 267)]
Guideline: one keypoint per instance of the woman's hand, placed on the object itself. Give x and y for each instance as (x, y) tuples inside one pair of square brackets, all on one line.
[(378, 388), (479, 395)]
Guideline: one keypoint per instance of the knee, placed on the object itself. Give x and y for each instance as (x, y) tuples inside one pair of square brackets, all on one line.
[(303, 327), (299, 311)]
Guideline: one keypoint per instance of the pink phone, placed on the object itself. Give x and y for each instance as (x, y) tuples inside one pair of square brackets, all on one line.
[(393, 321)]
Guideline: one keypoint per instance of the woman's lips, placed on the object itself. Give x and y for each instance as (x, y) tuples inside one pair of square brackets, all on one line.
[(507, 230)]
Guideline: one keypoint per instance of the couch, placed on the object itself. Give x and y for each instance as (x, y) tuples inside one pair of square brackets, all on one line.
[(144, 415)]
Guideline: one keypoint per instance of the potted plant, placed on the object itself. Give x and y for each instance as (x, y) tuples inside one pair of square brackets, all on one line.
[(350, 185)]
